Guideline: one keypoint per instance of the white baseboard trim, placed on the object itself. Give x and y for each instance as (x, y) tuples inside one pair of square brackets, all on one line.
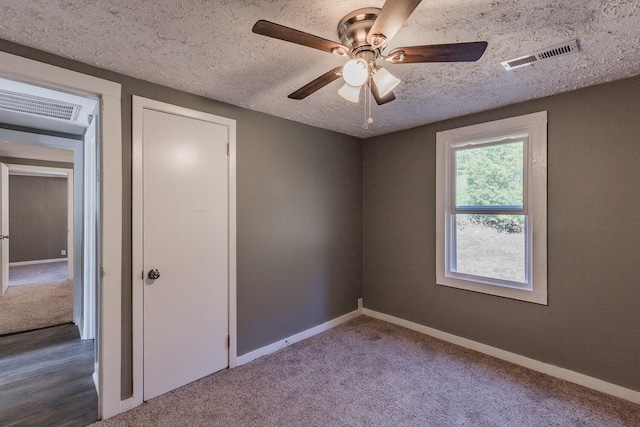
[(545, 368), (38, 261), (271, 348)]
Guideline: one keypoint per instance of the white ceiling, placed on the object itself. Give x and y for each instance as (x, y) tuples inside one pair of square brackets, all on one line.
[(207, 48)]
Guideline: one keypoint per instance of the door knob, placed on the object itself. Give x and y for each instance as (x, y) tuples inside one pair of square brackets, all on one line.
[(153, 274)]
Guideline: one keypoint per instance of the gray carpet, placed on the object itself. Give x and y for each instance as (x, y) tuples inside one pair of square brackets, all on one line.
[(371, 373), (38, 273)]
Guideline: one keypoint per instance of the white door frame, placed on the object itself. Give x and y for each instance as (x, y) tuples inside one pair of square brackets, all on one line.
[(109, 333), (4, 227), (74, 257), (30, 138), (89, 238), (139, 104)]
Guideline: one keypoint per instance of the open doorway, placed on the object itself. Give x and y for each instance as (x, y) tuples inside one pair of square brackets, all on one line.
[(48, 139), (39, 292), (111, 362)]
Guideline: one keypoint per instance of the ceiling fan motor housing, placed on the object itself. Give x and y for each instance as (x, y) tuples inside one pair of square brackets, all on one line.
[(353, 30)]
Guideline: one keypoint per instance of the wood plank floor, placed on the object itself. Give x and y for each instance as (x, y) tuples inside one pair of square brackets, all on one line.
[(45, 378)]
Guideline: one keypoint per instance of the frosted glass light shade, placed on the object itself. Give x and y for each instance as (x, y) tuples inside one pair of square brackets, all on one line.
[(355, 72), (385, 81), (350, 93)]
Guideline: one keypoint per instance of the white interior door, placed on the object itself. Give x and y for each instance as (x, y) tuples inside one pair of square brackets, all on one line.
[(185, 238), (4, 227)]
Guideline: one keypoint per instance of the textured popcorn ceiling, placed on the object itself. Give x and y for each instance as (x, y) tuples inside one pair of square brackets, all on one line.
[(207, 48)]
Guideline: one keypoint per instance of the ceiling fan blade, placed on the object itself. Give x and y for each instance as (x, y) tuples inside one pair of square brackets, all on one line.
[(453, 52), (281, 32), (390, 20), (379, 99), (316, 84)]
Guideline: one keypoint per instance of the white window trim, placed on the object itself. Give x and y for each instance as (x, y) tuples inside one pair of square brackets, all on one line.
[(535, 127)]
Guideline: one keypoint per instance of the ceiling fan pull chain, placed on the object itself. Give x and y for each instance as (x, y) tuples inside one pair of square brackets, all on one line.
[(367, 104), (364, 123), (369, 119)]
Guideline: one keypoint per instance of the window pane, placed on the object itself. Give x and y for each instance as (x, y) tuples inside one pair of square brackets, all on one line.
[(489, 176), (490, 246)]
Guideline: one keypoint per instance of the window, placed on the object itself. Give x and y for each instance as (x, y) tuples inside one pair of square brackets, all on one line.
[(491, 208)]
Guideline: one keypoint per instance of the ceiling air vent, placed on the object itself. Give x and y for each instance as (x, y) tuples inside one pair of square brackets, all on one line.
[(550, 52), (37, 106)]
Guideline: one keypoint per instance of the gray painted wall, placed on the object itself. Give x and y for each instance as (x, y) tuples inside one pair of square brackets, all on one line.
[(299, 215), (37, 217), (299, 228), (591, 323), (300, 195)]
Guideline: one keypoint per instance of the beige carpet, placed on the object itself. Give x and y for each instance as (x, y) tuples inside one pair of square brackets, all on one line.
[(27, 307), (371, 373)]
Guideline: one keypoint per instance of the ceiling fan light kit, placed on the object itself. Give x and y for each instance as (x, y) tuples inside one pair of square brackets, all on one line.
[(350, 93), (364, 34), (385, 81), (355, 72)]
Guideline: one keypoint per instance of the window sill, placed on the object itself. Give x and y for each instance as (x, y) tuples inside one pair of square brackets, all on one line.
[(526, 295)]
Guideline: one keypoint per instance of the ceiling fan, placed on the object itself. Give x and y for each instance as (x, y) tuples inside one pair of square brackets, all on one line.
[(364, 34)]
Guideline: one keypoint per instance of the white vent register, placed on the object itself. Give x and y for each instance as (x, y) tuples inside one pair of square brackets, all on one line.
[(38, 106), (549, 52)]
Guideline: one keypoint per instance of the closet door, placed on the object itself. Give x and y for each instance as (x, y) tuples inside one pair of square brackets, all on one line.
[(185, 250)]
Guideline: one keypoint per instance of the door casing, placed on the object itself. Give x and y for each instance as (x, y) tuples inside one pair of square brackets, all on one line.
[(76, 238)]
